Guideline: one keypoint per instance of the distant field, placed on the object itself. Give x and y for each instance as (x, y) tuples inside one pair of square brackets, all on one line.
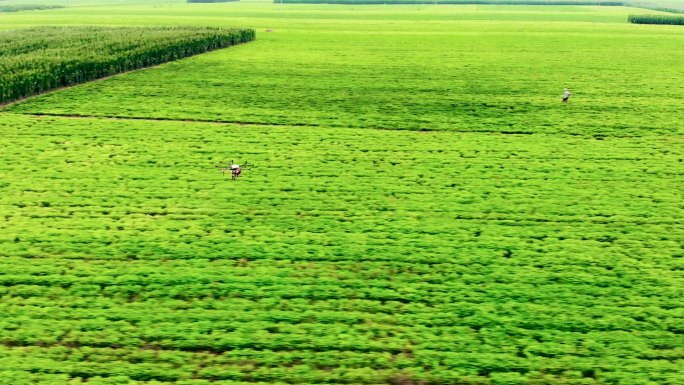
[(653, 4), (423, 209), (458, 2), (26, 7), (464, 70), (662, 4)]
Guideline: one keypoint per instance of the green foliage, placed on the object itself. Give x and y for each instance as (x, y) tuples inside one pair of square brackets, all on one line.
[(656, 19), (44, 58), (211, 1), (669, 10), (501, 2), (27, 7), (671, 6)]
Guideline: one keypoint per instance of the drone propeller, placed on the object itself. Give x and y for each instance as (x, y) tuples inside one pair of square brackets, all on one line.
[(223, 166)]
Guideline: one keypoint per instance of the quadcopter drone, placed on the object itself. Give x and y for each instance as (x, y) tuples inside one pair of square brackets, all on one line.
[(235, 169)]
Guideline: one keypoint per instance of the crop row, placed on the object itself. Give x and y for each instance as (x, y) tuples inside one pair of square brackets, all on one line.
[(329, 367), (210, 1), (501, 2), (656, 19), (463, 298), (129, 318), (26, 7), (44, 58)]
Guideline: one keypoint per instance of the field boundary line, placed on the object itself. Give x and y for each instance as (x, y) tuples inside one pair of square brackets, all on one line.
[(308, 125), (161, 119)]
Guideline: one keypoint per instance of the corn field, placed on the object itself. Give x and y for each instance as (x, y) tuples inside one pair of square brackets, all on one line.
[(40, 59), (656, 19)]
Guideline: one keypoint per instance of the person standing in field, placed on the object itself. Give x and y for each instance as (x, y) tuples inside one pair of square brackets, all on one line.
[(566, 95)]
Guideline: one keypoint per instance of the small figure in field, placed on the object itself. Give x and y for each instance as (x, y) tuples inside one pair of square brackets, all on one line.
[(566, 95)]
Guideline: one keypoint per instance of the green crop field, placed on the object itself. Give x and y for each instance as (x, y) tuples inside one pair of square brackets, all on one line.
[(41, 59), (423, 209)]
